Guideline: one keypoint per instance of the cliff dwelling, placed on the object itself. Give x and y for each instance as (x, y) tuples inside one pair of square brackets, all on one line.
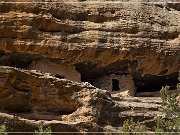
[(87, 66), (60, 71), (122, 84)]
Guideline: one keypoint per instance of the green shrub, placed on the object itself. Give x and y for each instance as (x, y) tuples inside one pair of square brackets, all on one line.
[(132, 127), (43, 130), (171, 107), (3, 129), (9, 124), (170, 103)]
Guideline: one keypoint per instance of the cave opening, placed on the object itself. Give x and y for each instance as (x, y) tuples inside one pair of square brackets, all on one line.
[(17, 60), (115, 85), (149, 85), (146, 86)]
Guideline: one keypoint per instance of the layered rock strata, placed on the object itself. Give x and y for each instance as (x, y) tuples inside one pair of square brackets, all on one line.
[(137, 38), (32, 95)]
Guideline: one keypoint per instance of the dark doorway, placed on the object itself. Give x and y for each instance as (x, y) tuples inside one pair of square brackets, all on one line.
[(115, 85), (59, 76)]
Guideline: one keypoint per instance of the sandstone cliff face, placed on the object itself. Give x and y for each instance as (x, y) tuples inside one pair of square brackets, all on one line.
[(135, 38), (86, 42)]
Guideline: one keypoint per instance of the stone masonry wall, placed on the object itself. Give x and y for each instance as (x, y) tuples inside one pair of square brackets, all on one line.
[(126, 84), (69, 72)]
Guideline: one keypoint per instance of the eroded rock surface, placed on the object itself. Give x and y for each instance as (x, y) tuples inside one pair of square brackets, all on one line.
[(90, 40), (32, 95), (137, 38)]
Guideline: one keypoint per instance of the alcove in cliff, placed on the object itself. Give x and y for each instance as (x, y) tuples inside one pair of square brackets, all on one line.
[(151, 85)]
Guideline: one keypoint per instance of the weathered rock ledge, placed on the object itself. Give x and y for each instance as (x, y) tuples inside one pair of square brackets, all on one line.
[(34, 96)]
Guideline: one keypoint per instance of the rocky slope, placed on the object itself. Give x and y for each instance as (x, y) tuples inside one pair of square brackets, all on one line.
[(75, 106)]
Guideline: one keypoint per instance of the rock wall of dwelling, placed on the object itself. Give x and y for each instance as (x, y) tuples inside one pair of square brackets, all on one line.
[(126, 84), (58, 70)]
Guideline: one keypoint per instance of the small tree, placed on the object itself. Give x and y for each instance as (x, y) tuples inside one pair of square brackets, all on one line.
[(170, 103), (171, 108)]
